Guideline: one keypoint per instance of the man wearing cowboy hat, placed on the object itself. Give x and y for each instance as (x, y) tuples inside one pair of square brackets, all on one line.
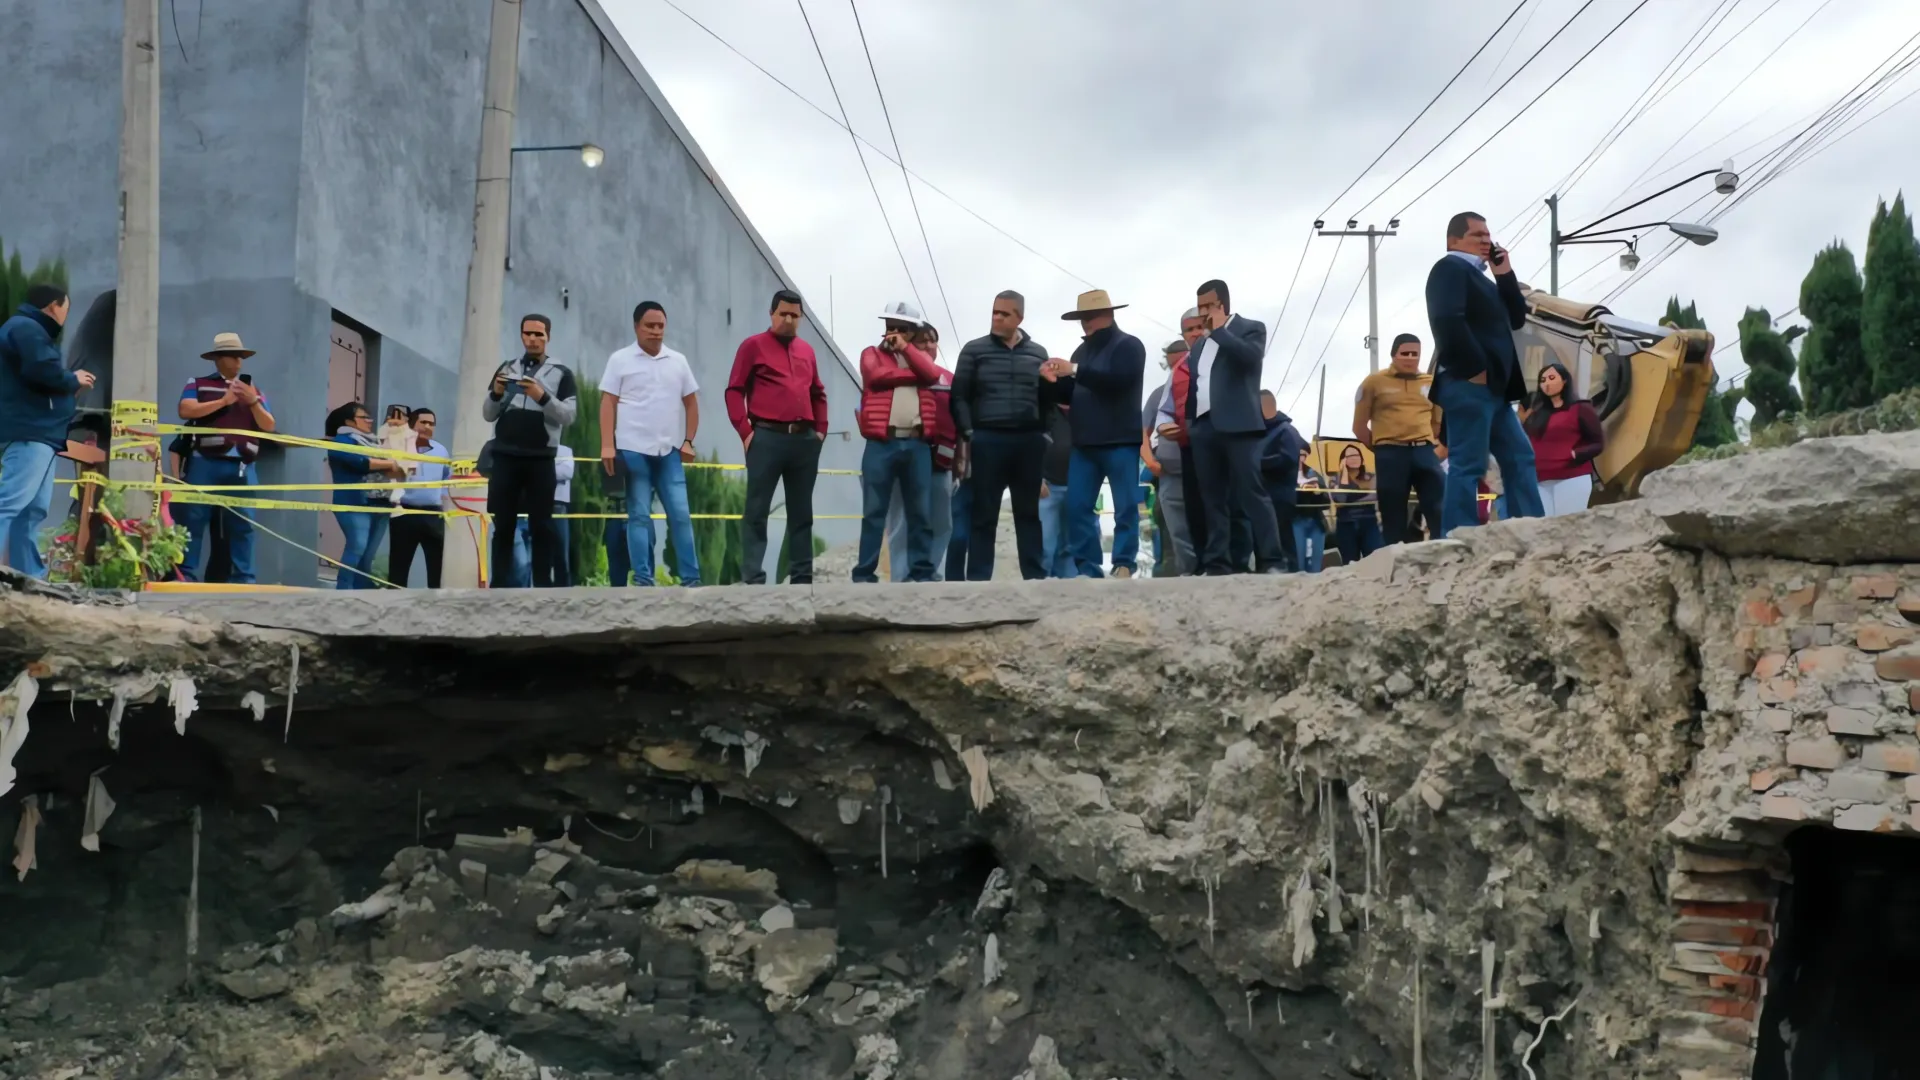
[(1104, 377), (228, 402)]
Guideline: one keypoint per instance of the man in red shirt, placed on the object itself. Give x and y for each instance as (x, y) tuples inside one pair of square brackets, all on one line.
[(778, 404)]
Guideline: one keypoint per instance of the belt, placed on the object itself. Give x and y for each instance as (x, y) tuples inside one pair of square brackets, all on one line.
[(793, 427), (1410, 445), (903, 433)]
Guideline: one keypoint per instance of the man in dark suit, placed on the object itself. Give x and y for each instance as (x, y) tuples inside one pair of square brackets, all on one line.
[(1477, 372), (1225, 428)]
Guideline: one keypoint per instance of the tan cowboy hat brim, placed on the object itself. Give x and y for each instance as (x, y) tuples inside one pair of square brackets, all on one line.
[(241, 353), (1082, 312)]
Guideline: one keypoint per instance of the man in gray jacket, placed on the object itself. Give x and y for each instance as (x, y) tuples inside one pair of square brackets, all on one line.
[(530, 402)]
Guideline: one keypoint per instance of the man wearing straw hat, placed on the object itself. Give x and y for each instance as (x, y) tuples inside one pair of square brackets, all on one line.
[(1105, 375), (227, 402)]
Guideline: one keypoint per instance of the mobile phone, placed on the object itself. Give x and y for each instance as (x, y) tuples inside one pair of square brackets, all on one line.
[(1496, 253)]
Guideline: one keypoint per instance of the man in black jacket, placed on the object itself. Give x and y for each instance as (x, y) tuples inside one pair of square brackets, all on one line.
[(1105, 377), (1225, 428), (1477, 371), (1004, 385)]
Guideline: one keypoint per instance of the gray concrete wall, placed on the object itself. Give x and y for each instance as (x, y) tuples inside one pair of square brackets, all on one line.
[(320, 155)]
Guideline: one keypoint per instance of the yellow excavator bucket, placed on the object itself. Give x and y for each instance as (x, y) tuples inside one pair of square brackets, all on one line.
[(1647, 382)]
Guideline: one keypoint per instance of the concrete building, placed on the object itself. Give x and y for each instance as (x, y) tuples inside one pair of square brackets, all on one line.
[(317, 174)]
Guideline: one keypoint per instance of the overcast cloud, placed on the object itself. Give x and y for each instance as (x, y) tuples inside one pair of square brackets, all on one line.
[(1147, 146)]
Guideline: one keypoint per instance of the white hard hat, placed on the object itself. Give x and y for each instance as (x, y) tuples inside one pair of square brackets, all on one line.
[(901, 311)]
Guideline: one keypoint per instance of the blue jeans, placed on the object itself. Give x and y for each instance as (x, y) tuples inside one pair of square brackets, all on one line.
[(364, 533), (1479, 423), (1310, 541), (939, 519), (619, 566), (960, 509), (663, 475), (1357, 538), (26, 493), (885, 463), (562, 546), (196, 517), (1053, 534), (1119, 468)]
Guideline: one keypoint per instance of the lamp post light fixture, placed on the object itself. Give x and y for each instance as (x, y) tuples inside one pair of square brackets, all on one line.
[(590, 155), (1725, 182)]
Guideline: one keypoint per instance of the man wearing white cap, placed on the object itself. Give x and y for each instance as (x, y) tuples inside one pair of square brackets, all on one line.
[(897, 411)]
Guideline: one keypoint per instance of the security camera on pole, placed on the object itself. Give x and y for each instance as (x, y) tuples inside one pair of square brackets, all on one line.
[(1725, 182), (1373, 236)]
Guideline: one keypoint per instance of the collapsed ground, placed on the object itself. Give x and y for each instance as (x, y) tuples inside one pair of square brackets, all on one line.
[(1162, 829)]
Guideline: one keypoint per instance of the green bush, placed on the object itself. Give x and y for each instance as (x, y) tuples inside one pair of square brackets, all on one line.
[(1895, 412)]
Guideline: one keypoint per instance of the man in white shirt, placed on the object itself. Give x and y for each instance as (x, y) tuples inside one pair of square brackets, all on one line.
[(649, 415)]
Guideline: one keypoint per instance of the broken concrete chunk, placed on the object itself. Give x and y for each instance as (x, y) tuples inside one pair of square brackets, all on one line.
[(373, 907), (183, 699), (100, 807), (975, 759), (547, 866), (850, 809), (779, 917), (14, 705), (721, 875), (786, 963), (255, 984), (940, 778), (991, 968), (255, 702)]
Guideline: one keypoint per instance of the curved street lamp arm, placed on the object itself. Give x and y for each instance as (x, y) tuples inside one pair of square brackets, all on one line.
[(1583, 230)]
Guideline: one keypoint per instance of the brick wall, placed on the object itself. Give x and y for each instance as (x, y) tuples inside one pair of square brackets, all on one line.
[(1826, 692)]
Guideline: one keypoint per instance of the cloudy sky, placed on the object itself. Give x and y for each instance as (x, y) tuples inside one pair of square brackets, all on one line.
[(1144, 146)]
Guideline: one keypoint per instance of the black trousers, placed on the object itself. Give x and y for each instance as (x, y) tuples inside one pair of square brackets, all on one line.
[(1239, 526), (1402, 469), (792, 462), (1006, 461), (521, 485), (1227, 469), (415, 532)]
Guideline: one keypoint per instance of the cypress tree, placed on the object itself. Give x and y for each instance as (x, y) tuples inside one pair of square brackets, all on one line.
[(1890, 312), (1715, 427), (1833, 364), (1769, 368)]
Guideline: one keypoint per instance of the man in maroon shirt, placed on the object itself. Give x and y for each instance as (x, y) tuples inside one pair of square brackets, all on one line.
[(779, 406)]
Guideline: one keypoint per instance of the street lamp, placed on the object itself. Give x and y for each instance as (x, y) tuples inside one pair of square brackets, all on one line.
[(590, 155), (1725, 182)]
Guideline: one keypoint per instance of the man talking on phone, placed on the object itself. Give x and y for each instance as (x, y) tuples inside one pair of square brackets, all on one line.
[(1477, 371), (530, 402)]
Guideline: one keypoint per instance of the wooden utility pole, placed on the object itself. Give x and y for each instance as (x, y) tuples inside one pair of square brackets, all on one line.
[(136, 320), (486, 278), (1373, 237)]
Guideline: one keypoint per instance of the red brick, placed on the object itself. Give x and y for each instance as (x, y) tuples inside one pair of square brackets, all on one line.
[(1738, 911), (1744, 638), (1711, 932), (1877, 637), (1750, 963), (1864, 817), (1728, 1007), (1846, 721), (1778, 721), (1821, 753), (1913, 789), (1778, 691), (1760, 612), (1769, 666), (1798, 602), (1909, 605), (1889, 756), (1783, 807), (1903, 665), (1913, 699), (1824, 661), (1876, 587), (1765, 779), (1746, 986)]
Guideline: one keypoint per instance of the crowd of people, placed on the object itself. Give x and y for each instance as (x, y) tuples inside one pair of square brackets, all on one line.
[(1229, 481)]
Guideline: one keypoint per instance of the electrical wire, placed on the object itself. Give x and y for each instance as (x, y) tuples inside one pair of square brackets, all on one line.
[(1310, 311), (857, 152), (1444, 139), (1575, 66), (905, 177), (1322, 361), (924, 182), (1722, 47), (1508, 51)]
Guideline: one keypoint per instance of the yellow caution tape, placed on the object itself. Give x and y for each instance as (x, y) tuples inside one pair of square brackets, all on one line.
[(131, 443)]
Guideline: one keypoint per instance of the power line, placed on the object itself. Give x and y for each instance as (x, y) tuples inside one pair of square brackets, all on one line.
[(1476, 109), (952, 325), (1322, 361), (924, 182), (1735, 36), (1508, 51), (1289, 369), (857, 152), (1536, 100), (1431, 102)]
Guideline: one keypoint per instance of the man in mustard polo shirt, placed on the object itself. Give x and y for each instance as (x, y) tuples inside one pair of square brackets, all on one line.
[(1393, 413)]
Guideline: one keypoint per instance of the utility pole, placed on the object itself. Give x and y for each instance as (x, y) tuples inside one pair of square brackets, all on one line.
[(1320, 411), (486, 277), (136, 320), (1374, 236), (1553, 245)]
